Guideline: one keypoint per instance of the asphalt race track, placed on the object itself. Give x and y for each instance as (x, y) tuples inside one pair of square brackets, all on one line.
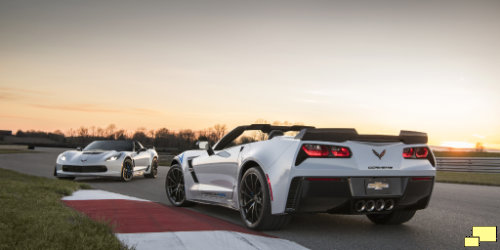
[(453, 210)]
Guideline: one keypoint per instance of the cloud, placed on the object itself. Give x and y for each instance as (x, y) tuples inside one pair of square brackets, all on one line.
[(97, 108), (17, 117), (21, 91), (78, 107), (7, 93), (7, 96)]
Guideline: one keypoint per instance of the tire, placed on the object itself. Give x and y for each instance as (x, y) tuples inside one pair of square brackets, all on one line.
[(394, 218), (174, 187), (154, 169), (255, 204), (69, 178), (127, 170)]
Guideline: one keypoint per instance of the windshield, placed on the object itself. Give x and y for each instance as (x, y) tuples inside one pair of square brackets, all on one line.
[(110, 145)]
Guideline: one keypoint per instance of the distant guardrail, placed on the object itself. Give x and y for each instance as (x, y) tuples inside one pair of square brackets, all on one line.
[(469, 164)]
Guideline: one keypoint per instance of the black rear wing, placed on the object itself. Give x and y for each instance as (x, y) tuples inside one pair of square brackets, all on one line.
[(349, 134)]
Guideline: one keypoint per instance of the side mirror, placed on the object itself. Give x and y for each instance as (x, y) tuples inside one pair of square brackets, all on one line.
[(78, 148), (141, 150), (202, 144), (205, 145)]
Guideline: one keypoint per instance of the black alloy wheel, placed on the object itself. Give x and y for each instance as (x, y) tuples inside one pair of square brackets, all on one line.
[(252, 197), (255, 202), (174, 186)]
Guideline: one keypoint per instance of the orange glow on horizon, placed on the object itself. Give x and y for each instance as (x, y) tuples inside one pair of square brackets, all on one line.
[(458, 144)]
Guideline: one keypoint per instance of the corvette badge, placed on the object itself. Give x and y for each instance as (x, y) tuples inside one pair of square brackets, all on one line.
[(379, 155)]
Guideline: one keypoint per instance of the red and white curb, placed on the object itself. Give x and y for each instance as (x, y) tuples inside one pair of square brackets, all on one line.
[(145, 224)]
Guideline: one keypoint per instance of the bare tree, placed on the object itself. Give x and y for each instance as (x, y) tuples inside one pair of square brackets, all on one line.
[(83, 132), (120, 135), (220, 131), (110, 130)]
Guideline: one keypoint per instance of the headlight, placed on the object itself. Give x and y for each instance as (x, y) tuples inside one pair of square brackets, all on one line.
[(114, 157), (62, 158)]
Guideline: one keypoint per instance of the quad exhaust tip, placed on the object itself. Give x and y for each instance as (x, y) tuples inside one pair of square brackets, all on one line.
[(372, 205), (389, 205), (379, 205), (360, 206)]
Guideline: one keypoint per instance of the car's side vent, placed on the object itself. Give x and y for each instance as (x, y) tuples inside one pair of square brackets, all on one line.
[(292, 203), (191, 169)]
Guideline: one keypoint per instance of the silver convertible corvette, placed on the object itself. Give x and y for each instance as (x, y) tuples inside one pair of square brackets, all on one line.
[(114, 158), (269, 173)]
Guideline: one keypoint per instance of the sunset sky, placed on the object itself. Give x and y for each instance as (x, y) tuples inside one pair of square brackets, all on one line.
[(377, 66)]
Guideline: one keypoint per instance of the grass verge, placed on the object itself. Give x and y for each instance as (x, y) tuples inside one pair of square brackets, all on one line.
[(490, 179), (32, 216)]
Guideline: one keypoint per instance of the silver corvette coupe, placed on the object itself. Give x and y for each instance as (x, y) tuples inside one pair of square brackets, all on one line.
[(123, 159), (270, 173)]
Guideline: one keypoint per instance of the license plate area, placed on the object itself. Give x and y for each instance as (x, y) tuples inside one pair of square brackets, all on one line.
[(377, 186)]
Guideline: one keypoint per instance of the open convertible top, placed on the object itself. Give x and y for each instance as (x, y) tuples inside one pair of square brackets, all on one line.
[(311, 133)]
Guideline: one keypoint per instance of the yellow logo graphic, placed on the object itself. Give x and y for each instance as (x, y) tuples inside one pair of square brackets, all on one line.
[(481, 234), (378, 185)]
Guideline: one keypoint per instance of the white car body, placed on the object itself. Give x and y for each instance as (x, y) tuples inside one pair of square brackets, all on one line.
[(314, 184), (104, 163)]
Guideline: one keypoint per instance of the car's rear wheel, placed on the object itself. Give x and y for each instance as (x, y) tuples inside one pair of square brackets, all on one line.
[(255, 203), (394, 218), (127, 170), (174, 186), (154, 169)]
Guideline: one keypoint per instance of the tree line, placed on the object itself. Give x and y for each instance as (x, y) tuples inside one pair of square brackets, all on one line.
[(163, 139)]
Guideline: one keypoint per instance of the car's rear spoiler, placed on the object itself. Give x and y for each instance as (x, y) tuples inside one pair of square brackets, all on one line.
[(349, 134)]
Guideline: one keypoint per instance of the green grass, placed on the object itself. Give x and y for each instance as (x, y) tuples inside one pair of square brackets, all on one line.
[(32, 216), (491, 179), (464, 154)]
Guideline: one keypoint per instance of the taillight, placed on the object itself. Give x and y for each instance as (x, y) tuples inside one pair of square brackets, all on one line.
[(422, 152), (341, 152), (408, 152), (322, 151), (416, 153), (314, 150)]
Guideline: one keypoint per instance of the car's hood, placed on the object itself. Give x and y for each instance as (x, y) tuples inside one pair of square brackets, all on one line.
[(85, 157)]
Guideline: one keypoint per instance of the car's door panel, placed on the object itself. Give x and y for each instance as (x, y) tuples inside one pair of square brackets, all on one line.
[(216, 174), (141, 157), (141, 160)]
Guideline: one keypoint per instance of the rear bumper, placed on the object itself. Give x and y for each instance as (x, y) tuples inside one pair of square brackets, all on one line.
[(340, 194)]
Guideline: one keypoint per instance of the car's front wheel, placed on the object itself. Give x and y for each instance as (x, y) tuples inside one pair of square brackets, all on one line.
[(394, 218), (127, 170), (255, 203), (174, 186)]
